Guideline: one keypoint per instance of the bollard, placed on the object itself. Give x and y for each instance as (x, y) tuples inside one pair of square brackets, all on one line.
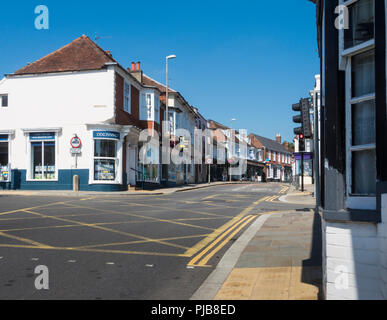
[(75, 183)]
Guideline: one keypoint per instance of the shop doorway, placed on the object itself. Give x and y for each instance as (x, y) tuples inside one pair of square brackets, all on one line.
[(132, 166)]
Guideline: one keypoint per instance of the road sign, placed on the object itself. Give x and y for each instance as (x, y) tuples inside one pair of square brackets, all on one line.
[(209, 161), (76, 142), (75, 150)]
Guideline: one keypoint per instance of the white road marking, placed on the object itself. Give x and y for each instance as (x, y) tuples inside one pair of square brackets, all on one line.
[(72, 261), (149, 265), (110, 263), (34, 259)]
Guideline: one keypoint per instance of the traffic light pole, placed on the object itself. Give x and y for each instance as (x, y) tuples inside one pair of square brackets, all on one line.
[(302, 171)]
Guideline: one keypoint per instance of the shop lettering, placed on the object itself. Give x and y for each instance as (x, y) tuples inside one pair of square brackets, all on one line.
[(113, 135)]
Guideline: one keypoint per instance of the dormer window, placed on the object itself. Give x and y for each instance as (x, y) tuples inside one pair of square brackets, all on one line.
[(4, 100)]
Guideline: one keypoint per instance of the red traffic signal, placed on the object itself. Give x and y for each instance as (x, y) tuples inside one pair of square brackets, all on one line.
[(301, 136)]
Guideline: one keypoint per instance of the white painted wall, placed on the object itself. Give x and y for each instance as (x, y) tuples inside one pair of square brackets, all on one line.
[(60, 99), (382, 235), (67, 101), (353, 247)]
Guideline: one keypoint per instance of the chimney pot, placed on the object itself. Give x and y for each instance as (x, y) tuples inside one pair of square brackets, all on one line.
[(138, 66), (133, 66)]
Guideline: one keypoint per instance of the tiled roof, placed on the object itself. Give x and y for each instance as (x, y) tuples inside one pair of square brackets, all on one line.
[(271, 145), (81, 54), (153, 83)]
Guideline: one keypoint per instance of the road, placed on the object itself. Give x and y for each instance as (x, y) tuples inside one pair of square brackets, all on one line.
[(125, 247)]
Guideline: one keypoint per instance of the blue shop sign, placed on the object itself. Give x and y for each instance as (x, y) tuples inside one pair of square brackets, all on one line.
[(42, 136), (307, 156), (106, 135), (3, 137)]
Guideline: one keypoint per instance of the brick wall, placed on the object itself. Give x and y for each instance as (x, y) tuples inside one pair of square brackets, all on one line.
[(122, 117)]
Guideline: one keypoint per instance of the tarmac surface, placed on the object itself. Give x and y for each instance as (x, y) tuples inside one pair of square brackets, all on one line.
[(127, 246)]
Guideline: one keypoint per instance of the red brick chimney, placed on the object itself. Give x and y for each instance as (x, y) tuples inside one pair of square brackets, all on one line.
[(278, 138), (136, 71)]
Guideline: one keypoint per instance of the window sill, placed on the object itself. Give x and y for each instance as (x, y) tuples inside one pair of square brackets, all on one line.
[(42, 180), (370, 44), (351, 215), (105, 182)]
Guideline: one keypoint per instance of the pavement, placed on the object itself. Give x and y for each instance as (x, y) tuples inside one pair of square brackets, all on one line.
[(277, 258)]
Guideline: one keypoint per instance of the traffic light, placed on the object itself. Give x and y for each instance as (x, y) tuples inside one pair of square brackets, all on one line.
[(301, 142), (303, 118)]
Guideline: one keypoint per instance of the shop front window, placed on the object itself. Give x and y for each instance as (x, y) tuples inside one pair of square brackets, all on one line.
[(105, 158), (43, 160)]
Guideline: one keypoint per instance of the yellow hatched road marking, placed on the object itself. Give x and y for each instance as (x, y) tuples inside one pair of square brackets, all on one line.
[(35, 243), (211, 197), (32, 208), (153, 218), (138, 242), (109, 230), (97, 250)]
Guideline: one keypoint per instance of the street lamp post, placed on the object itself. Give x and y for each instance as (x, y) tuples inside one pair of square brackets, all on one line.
[(172, 56), (167, 90), (231, 146)]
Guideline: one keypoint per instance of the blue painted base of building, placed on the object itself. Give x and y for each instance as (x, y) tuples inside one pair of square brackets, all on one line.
[(65, 182)]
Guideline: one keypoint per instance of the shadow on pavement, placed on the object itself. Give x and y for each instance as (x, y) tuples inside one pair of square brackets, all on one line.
[(312, 267)]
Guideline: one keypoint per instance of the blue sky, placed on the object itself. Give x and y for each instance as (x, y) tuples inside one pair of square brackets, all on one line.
[(248, 60)]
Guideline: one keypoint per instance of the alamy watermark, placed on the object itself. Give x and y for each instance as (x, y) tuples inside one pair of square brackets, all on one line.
[(342, 21), (42, 280), (42, 20), (342, 280), (198, 147)]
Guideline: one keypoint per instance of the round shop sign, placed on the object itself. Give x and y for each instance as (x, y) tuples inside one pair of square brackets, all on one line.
[(76, 142)]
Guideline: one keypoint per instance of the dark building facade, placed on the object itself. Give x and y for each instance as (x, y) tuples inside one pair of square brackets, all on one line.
[(352, 48)]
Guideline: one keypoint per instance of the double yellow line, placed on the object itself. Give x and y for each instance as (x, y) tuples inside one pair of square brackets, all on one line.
[(284, 189), (272, 198), (201, 259), (219, 238)]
